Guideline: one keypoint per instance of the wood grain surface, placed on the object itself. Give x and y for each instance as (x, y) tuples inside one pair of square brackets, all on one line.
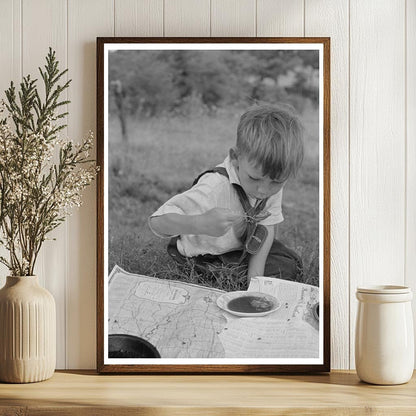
[(328, 18), (138, 17), (186, 18), (280, 18), (377, 148), (51, 265), (85, 18), (82, 393), (410, 259), (233, 18)]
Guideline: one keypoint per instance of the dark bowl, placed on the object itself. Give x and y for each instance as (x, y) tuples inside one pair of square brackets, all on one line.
[(129, 346)]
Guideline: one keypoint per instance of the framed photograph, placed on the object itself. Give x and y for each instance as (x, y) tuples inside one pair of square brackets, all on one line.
[(213, 205)]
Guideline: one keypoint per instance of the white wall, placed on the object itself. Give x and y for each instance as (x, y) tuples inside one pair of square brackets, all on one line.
[(373, 132)]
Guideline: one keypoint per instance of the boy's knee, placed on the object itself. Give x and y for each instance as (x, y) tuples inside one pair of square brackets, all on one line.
[(283, 263)]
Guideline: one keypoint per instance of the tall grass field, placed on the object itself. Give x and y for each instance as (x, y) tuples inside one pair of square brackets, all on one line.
[(161, 158)]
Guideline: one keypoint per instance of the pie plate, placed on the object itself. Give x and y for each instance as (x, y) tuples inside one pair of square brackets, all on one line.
[(248, 304)]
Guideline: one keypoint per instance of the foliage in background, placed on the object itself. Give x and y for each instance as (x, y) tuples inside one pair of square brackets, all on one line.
[(36, 194), (162, 158), (174, 114), (173, 82)]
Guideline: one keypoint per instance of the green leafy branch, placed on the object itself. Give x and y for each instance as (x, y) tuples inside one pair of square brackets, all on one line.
[(35, 193)]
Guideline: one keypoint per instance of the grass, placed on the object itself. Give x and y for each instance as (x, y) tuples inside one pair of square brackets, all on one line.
[(161, 159)]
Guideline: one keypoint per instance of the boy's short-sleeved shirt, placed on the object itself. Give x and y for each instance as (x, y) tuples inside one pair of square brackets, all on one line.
[(214, 190)]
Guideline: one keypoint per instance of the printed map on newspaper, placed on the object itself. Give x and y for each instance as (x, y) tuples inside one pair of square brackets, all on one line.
[(183, 320)]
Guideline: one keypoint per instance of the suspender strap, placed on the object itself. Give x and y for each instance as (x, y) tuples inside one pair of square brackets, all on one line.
[(217, 169)]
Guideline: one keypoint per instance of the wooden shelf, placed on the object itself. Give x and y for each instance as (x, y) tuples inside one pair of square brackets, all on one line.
[(86, 393)]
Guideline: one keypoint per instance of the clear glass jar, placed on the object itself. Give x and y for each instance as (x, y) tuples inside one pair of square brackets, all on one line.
[(384, 338)]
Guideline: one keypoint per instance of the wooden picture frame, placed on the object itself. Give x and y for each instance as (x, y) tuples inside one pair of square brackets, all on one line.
[(145, 95)]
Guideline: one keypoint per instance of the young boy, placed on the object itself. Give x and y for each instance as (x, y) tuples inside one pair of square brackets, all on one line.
[(232, 211)]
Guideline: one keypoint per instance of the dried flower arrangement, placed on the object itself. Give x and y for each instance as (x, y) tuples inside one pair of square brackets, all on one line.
[(42, 176)]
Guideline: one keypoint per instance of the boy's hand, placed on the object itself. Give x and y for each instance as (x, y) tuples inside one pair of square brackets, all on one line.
[(217, 221), (240, 226)]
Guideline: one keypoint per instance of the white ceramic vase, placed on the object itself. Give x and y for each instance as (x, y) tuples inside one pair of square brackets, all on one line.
[(27, 331), (384, 341)]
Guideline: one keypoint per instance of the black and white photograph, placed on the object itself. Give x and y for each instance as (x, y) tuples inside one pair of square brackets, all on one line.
[(212, 205)]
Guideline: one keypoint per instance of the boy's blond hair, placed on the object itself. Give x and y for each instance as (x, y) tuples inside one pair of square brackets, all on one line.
[(271, 136)]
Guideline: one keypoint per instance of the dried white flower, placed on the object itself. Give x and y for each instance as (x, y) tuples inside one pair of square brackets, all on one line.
[(42, 176)]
